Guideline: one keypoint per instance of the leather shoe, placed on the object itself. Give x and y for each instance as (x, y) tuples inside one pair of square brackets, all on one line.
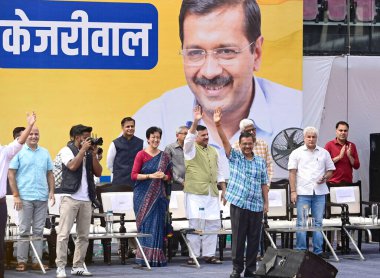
[(248, 273), (37, 266), (235, 274), (324, 255)]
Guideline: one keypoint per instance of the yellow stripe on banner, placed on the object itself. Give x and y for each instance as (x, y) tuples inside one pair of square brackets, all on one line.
[(279, 21), (282, 50), (280, 62)]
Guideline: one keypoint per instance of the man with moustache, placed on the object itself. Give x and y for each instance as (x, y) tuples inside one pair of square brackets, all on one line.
[(222, 46), (310, 166), (203, 174), (260, 147), (32, 183), (247, 192)]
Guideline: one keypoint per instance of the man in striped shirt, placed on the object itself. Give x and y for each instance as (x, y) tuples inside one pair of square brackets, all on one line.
[(260, 147), (247, 191)]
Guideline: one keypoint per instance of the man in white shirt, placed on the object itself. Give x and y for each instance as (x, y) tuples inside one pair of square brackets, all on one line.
[(221, 48), (6, 155), (79, 165), (310, 166)]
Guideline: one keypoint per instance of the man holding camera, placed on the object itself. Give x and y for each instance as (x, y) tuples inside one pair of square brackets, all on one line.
[(79, 165)]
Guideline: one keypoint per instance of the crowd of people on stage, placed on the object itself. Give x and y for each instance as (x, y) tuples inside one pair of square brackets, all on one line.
[(221, 48), (189, 164)]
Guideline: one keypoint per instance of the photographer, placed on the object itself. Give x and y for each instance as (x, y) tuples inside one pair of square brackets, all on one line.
[(79, 165)]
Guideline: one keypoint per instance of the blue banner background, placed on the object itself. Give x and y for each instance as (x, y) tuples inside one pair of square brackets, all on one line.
[(97, 12)]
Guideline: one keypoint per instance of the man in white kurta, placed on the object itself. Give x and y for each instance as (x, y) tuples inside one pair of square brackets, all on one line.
[(201, 191)]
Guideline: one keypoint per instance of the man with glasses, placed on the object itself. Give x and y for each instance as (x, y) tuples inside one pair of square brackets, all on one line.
[(310, 166), (247, 191), (7, 152), (31, 180), (260, 147), (175, 151), (221, 48)]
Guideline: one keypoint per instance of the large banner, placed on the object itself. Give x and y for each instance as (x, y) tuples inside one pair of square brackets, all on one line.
[(95, 63)]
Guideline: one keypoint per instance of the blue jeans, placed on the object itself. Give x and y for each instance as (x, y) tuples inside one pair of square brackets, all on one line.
[(317, 205)]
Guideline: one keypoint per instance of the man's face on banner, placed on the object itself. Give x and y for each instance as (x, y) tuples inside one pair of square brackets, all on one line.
[(218, 82)]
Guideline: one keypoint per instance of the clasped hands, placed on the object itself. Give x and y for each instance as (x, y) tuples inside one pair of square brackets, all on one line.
[(157, 175)]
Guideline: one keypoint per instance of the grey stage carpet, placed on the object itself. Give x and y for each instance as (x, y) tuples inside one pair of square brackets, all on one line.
[(348, 267)]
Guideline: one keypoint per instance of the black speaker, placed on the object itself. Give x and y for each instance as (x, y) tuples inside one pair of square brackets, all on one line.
[(292, 263), (374, 167)]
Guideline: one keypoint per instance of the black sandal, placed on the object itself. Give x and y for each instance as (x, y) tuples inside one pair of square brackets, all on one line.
[(212, 260)]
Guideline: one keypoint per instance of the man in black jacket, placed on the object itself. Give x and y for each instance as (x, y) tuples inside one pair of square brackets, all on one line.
[(79, 165)]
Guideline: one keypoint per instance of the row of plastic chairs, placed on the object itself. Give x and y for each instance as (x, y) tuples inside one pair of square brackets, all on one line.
[(363, 10)]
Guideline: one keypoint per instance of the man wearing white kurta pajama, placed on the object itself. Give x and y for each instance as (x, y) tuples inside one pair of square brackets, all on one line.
[(202, 176)]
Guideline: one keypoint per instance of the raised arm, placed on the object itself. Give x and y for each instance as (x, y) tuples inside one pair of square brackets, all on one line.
[(31, 119), (197, 117), (189, 144), (222, 135), (77, 161)]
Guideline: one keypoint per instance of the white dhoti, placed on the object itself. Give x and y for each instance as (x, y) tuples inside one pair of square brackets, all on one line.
[(212, 222)]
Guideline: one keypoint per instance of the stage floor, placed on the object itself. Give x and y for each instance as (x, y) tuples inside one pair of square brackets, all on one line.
[(348, 267)]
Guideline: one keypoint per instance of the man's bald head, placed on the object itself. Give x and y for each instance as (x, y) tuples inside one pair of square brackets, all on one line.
[(33, 138)]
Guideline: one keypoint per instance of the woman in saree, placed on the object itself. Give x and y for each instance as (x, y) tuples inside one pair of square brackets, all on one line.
[(151, 169)]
